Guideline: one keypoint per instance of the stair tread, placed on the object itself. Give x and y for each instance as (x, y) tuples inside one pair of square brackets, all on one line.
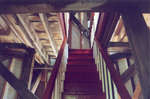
[(80, 50), (81, 76), (84, 97), (81, 93), (83, 55), (80, 87), (80, 57), (81, 65), (80, 69)]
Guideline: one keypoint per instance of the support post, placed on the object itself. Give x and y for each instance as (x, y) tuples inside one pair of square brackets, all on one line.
[(139, 40)]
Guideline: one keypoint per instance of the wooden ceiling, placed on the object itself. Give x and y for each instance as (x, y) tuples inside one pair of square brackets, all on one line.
[(41, 31), (119, 35)]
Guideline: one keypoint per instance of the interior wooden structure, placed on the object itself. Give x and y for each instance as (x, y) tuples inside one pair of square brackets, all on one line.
[(38, 37)]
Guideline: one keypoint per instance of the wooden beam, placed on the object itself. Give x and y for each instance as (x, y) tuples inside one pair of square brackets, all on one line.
[(70, 33), (137, 91), (45, 23), (119, 56), (34, 6), (132, 77), (15, 31), (118, 44), (17, 84), (10, 50), (30, 32), (130, 72), (32, 59), (63, 24), (139, 39), (114, 74), (109, 29), (43, 68), (51, 82), (119, 27), (101, 24), (37, 82), (20, 32)]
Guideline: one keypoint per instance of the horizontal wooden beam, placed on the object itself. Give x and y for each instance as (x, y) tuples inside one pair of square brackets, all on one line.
[(24, 6), (119, 56), (118, 44), (43, 68)]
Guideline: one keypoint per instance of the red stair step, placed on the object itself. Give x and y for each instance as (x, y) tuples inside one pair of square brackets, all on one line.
[(81, 77), (82, 87), (81, 62), (77, 55), (84, 97), (81, 53), (80, 69), (80, 93), (80, 57), (82, 65), (89, 49)]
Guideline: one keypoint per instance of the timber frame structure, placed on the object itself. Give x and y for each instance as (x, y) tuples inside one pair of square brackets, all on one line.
[(36, 35)]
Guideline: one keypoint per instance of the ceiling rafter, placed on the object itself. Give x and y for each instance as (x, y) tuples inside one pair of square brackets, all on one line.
[(45, 23), (19, 31), (33, 36), (15, 31)]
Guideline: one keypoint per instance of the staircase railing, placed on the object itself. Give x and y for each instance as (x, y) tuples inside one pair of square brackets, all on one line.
[(55, 84), (111, 80)]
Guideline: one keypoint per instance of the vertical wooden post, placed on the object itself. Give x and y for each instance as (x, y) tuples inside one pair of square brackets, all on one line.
[(70, 32), (139, 39), (27, 67)]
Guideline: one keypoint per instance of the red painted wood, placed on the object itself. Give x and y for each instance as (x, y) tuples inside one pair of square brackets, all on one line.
[(81, 77), (70, 33), (80, 58), (114, 74)]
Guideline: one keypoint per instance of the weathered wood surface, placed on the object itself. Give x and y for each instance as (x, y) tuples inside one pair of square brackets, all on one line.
[(18, 85), (139, 39), (22, 6)]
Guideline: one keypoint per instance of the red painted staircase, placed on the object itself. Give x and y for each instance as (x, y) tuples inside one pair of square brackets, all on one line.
[(81, 77)]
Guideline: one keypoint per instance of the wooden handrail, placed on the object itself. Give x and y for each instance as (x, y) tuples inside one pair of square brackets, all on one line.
[(114, 74), (51, 82)]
